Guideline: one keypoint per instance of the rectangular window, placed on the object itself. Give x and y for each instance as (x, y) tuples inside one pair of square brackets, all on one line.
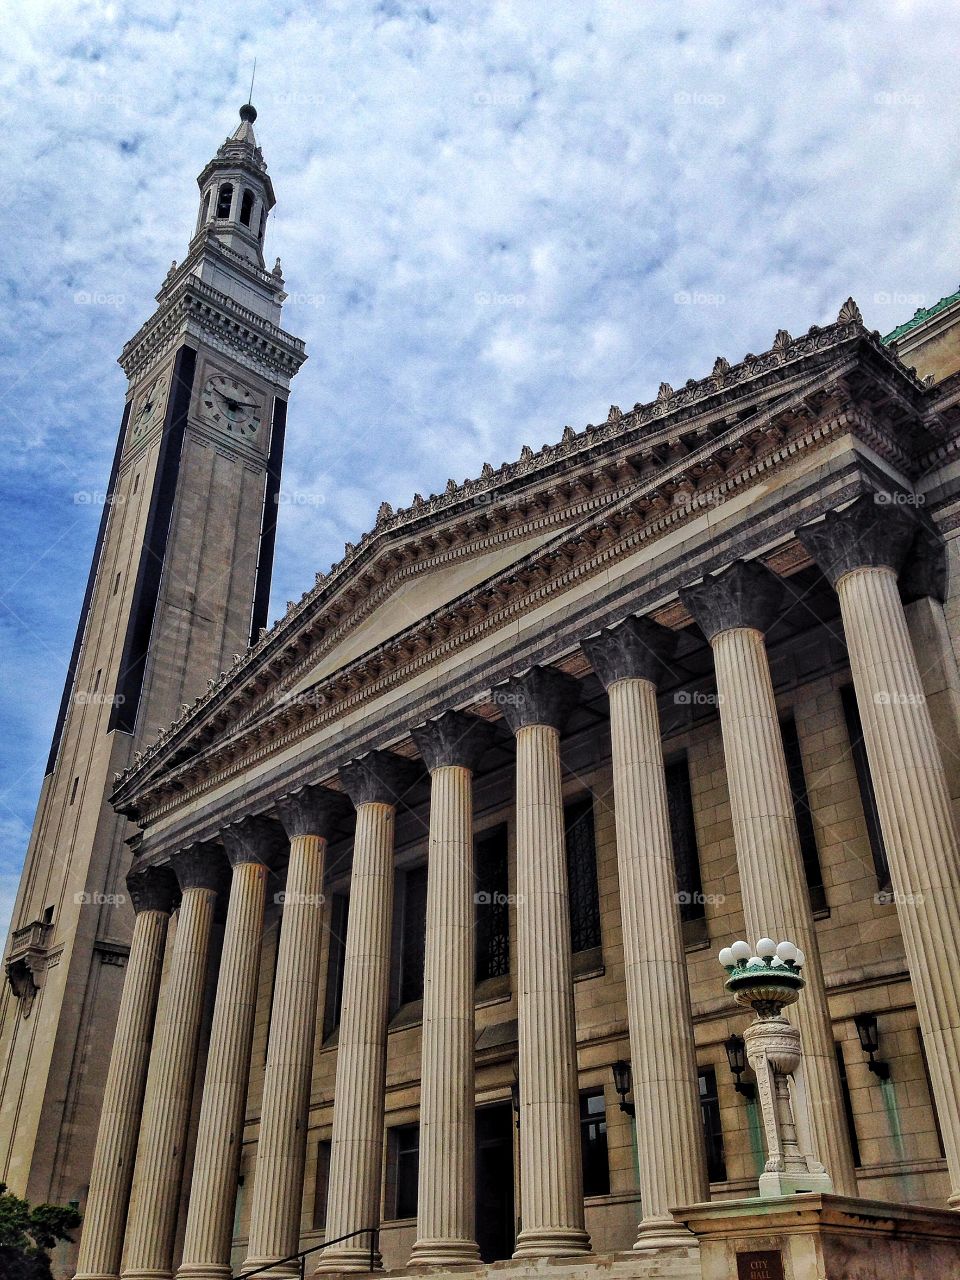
[(116, 584), (73, 789), (320, 1185), (848, 1106), (582, 875), (593, 1143), (333, 997), (868, 797), (403, 1170), (801, 809), (492, 916), (683, 834), (414, 934), (712, 1128)]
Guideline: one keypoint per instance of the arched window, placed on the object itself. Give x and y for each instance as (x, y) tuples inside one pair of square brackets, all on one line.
[(224, 200), (246, 208), (263, 222), (205, 209)]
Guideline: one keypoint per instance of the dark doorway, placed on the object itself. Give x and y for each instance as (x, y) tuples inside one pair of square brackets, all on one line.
[(495, 1210)]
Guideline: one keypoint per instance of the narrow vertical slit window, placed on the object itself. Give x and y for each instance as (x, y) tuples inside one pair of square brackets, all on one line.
[(593, 1143), (414, 934), (73, 789), (491, 905), (686, 855), (582, 875), (333, 996), (848, 1106), (712, 1126), (868, 795), (801, 809)]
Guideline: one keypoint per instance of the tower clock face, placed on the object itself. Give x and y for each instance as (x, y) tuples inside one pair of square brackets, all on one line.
[(148, 407), (232, 406)]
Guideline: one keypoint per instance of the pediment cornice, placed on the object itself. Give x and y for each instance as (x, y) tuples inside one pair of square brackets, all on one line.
[(606, 491)]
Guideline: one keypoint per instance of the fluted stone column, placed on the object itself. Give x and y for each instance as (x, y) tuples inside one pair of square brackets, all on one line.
[(153, 894), (629, 660), (860, 549), (375, 783), (152, 1222), (306, 816), (536, 706), (216, 1165), (733, 609), (451, 747)]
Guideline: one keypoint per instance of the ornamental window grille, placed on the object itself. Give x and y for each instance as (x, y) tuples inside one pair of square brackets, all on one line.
[(491, 899), (582, 875)]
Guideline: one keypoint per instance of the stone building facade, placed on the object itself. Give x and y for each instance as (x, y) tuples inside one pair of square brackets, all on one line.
[(432, 878)]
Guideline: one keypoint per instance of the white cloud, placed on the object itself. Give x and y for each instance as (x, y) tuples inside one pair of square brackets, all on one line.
[(595, 160)]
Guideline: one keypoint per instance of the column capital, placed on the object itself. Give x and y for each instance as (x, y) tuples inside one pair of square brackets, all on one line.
[(379, 777), (924, 572), (199, 866), (252, 839), (453, 738), (540, 695), (744, 594), (309, 811), (154, 889), (634, 649), (872, 532)]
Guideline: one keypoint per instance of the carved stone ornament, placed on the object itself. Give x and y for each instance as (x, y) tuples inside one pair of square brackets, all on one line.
[(744, 594), (155, 889), (310, 811), (199, 866), (542, 695), (378, 778), (634, 649), (873, 531), (453, 738), (253, 839)]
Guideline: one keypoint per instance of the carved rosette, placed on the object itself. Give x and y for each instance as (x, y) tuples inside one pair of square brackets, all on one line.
[(310, 811), (875, 531), (746, 594), (453, 738), (540, 696), (634, 649), (378, 778)]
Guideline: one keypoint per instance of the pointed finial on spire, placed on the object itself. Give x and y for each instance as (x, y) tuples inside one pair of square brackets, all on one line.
[(248, 111)]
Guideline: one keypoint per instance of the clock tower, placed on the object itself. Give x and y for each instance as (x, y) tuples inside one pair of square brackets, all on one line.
[(180, 582)]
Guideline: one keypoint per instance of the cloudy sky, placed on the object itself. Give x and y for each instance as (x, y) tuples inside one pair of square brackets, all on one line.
[(494, 219)]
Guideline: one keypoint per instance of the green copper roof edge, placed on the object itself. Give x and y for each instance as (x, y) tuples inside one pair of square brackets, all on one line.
[(918, 317)]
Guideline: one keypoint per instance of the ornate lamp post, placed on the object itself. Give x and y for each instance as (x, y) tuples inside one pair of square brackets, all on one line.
[(765, 980)]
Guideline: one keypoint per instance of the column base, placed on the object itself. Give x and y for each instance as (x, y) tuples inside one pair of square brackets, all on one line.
[(552, 1242), (444, 1253), (655, 1234), (277, 1271), (143, 1273), (353, 1259), (204, 1271), (97, 1275), (790, 1184)]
